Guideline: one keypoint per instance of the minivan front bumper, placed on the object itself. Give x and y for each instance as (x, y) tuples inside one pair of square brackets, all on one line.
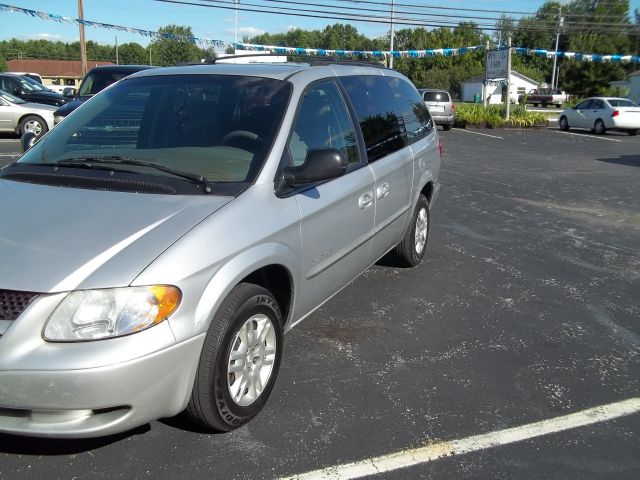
[(98, 401), (89, 389)]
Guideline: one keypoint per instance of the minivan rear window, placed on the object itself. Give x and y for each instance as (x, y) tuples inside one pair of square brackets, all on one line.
[(436, 97)]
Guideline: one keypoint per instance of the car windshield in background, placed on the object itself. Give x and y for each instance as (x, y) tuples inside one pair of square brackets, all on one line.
[(621, 102), (27, 85), (436, 97), (98, 81), (34, 84), (218, 127), (11, 98)]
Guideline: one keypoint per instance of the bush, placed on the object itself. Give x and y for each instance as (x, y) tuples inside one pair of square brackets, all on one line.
[(492, 116)]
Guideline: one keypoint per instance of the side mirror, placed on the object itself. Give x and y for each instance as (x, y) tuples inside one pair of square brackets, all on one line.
[(69, 92), (28, 140), (320, 164)]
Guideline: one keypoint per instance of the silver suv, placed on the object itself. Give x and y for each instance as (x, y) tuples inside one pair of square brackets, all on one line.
[(158, 243), (440, 106)]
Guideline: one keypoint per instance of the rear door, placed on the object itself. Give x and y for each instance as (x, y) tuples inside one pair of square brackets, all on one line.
[(337, 217), (596, 110), (438, 103), (379, 105)]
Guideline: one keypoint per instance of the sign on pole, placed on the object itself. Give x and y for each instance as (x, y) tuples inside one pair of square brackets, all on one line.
[(496, 64)]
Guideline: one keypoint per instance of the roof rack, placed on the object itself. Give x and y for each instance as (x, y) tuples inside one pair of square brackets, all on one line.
[(317, 60), (312, 60)]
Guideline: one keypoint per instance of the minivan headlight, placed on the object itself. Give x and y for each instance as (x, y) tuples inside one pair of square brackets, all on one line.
[(113, 312)]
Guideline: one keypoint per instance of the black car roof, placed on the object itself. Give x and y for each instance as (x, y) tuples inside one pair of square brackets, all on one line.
[(120, 68)]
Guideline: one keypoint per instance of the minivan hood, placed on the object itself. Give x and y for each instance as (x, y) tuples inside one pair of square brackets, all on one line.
[(55, 239)]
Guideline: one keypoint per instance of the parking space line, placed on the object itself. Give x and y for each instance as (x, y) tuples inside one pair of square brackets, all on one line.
[(583, 135), (9, 154), (435, 451), (477, 133)]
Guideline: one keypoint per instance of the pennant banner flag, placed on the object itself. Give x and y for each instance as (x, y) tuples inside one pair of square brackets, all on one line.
[(592, 57)]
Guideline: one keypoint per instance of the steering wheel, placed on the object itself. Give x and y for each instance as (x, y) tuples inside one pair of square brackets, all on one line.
[(243, 139)]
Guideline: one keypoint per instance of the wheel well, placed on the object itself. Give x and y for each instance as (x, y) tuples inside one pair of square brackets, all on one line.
[(32, 115), (427, 191), (277, 280)]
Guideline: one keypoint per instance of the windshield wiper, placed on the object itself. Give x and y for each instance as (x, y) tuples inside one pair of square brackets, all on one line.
[(89, 161)]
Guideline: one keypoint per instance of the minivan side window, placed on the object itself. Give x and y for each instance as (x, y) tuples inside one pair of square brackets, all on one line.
[(323, 122), (382, 124), (417, 121)]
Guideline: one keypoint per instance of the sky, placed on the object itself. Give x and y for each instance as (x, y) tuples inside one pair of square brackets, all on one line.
[(218, 24)]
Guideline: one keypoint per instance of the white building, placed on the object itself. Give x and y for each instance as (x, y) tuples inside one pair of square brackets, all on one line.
[(474, 86), (634, 86), (630, 87)]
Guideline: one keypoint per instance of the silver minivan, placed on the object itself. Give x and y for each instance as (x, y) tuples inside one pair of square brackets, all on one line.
[(440, 106), (158, 243)]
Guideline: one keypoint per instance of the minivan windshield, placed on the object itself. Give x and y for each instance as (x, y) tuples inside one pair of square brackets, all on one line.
[(219, 127)]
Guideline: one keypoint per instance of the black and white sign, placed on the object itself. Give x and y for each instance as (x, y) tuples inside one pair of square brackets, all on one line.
[(496, 64)]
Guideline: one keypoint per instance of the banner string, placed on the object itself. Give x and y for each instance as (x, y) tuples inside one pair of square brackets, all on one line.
[(584, 57)]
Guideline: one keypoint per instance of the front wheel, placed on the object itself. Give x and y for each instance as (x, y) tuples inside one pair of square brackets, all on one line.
[(410, 250), (33, 124), (239, 361), (446, 127), (633, 132)]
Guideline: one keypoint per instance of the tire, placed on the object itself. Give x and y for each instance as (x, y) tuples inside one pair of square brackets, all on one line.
[(34, 124), (545, 105), (633, 132), (599, 128), (536, 104), (446, 127), (564, 124), (410, 250), (220, 401)]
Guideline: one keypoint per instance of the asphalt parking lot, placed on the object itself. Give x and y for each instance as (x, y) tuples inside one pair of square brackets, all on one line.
[(524, 316)]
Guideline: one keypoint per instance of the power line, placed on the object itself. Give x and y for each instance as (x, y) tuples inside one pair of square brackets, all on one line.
[(324, 14)]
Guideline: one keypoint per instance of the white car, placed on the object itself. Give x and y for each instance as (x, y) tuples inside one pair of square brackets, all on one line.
[(21, 117), (600, 114)]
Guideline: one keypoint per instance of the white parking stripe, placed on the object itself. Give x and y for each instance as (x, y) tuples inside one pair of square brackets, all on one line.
[(435, 451), (477, 133), (583, 135)]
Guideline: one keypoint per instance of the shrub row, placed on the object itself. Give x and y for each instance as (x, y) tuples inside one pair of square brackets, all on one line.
[(492, 116)]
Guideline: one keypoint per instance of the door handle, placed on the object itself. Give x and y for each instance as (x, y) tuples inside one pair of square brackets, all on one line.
[(365, 200), (382, 191)]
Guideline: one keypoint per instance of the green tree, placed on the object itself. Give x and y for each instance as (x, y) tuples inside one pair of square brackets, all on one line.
[(132, 54), (505, 28), (3, 64), (170, 51)]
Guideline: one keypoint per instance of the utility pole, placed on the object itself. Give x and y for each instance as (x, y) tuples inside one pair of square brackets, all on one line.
[(508, 78), (235, 28), (83, 44), (393, 5), (117, 59), (485, 86), (555, 54), (150, 63)]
